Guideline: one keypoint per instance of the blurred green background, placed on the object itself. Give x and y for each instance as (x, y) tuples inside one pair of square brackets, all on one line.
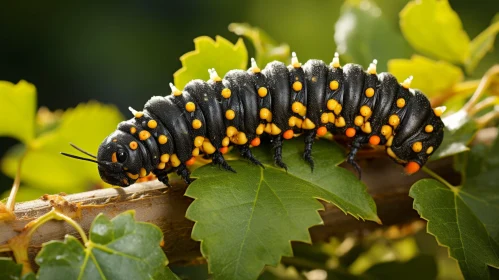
[(123, 52)]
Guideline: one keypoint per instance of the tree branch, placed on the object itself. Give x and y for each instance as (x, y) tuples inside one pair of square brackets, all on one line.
[(166, 207)]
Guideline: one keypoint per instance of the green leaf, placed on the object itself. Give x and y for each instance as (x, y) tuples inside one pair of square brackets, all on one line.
[(10, 269), (481, 190), (120, 248), (362, 33), (459, 130), (18, 106), (434, 29), (266, 48), (431, 77), (220, 54), (246, 220), (455, 225), (44, 168), (481, 44)]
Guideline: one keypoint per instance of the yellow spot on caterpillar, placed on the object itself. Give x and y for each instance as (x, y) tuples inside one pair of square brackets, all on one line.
[(386, 131), (365, 111), (144, 135), (359, 121), (133, 145), (230, 114), (254, 66), (299, 108), (162, 139), (417, 147), (331, 117), (366, 128), (143, 173), (401, 102), (133, 130), (268, 128), (226, 93), (138, 115), (196, 124), (299, 122), (294, 60), (262, 92), (208, 147), (152, 124), (115, 140), (190, 107), (308, 124), (297, 86), (394, 120), (265, 114), (428, 128), (390, 141), (331, 104), (161, 165), (292, 121), (240, 138), (334, 85), (314, 79), (198, 141), (113, 158), (164, 158), (370, 92), (340, 122), (225, 141), (195, 152), (132, 176), (214, 75), (174, 160), (175, 90), (439, 110), (429, 150), (274, 130), (231, 131), (260, 128), (391, 153), (407, 82), (336, 60), (324, 118), (372, 67), (337, 109)]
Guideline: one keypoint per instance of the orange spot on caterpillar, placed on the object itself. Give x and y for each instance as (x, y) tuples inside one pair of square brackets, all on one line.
[(255, 142), (321, 131), (374, 140), (350, 132), (191, 161), (288, 134), (411, 167), (224, 150)]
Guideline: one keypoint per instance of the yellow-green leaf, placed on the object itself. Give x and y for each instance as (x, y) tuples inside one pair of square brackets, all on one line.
[(481, 44), (219, 54), (434, 29), (43, 166), (18, 106), (266, 48), (432, 77)]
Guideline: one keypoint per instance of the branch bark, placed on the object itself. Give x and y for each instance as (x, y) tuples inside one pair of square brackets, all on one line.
[(166, 207)]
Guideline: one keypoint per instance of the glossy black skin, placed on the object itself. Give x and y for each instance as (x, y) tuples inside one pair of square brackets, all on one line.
[(175, 122)]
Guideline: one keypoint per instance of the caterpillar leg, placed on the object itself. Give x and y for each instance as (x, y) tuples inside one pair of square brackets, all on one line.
[(277, 144), (163, 178), (219, 159), (183, 172), (247, 154), (351, 157), (309, 141)]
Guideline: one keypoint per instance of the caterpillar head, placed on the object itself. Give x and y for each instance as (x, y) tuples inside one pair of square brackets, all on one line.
[(119, 160), (415, 151)]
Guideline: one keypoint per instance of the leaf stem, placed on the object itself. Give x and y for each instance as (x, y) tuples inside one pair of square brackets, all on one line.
[(11, 201), (440, 179), (482, 86), (74, 224)]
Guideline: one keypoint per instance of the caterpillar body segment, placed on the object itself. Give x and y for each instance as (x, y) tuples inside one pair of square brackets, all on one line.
[(280, 101)]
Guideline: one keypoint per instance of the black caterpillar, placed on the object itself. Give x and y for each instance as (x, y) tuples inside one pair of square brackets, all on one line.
[(207, 117)]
